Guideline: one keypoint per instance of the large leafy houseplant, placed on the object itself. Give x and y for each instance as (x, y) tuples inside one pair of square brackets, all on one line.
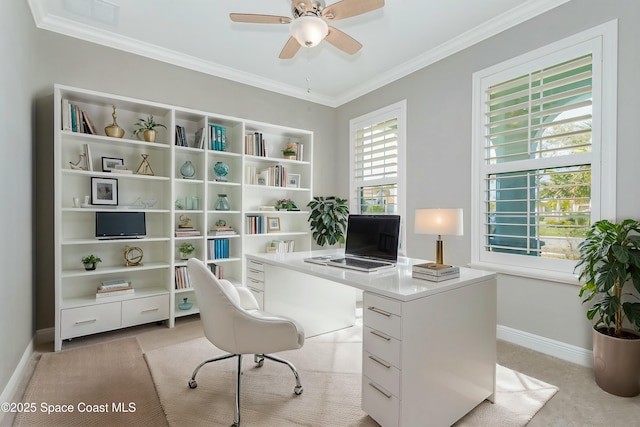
[(328, 219), (609, 259)]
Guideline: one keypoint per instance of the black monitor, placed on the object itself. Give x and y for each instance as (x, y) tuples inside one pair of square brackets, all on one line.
[(375, 236), (120, 225)]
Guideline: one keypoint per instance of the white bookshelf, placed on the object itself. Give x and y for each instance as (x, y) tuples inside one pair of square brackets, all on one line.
[(156, 299)]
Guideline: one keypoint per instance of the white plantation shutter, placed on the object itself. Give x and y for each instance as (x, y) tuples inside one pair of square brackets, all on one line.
[(540, 155)]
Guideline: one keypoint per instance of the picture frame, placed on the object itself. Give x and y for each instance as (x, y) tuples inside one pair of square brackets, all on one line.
[(273, 224), (293, 180), (111, 163), (104, 191)]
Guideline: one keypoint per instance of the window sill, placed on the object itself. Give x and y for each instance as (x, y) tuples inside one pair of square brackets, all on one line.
[(547, 275)]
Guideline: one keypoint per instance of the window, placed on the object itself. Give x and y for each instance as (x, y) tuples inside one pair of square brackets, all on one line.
[(377, 160), (544, 154)]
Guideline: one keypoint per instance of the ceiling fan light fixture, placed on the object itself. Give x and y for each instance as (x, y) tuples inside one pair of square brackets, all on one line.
[(309, 31)]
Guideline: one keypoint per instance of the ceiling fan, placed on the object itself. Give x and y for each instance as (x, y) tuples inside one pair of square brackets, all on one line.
[(309, 24)]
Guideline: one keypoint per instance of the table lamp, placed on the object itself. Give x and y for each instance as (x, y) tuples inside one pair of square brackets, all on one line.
[(439, 222)]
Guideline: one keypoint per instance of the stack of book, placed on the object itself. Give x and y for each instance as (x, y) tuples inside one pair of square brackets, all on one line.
[(113, 288), (187, 232), (434, 272), (222, 230)]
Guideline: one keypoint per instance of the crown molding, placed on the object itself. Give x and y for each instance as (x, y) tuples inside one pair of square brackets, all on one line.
[(106, 38)]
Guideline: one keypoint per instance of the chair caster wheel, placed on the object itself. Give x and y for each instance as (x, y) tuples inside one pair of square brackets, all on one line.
[(193, 384), (297, 390), (258, 360)]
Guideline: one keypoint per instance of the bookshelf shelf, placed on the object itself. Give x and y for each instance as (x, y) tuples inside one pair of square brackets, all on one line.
[(202, 138)]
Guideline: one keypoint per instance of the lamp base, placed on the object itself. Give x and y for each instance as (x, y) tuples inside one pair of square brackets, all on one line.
[(439, 251)]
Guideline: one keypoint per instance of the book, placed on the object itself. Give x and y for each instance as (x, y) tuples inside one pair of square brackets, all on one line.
[(114, 284), (185, 232), (433, 278), (433, 269), (107, 293)]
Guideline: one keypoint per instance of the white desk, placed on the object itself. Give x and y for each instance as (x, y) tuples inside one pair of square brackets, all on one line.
[(429, 348)]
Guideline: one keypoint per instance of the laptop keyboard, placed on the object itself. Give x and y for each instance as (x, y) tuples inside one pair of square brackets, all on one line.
[(360, 263)]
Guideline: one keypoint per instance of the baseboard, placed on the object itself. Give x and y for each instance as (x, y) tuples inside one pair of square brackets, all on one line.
[(45, 335), (558, 349), (9, 391)]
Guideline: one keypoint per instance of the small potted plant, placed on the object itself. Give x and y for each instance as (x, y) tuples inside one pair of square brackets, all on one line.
[(610, 260), (286, 205), (90, 262), (290, 151), (147, 128), (328, 219), (186, 249)]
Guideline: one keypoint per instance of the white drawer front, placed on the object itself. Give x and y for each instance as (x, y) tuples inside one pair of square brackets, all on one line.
[(382, 346), (255, 265), (254, 274), (386, 304), (144, 310), (75, 322), (259, 294), (382, 314), (382, 372), (254, 283), (381, 405)]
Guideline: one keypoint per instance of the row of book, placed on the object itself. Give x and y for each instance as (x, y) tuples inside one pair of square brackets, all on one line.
[(280, 246), (255, 145), (434, 272), (256, 224), (274, 176), (76, 120), (114, 288), (182, 278), (214, 134), (218, 248)]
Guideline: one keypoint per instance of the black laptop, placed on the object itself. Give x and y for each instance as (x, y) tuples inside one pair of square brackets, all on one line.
[(372, 243)]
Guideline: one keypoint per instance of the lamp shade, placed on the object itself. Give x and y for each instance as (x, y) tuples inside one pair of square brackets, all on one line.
[(308, 30), (446, 222)]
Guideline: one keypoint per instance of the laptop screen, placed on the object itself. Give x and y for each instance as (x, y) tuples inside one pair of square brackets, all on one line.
[(374, 236)]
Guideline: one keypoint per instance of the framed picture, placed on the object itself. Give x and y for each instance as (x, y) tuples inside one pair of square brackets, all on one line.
[(104, 191), (111, 163), (273, 224), (293, 180)]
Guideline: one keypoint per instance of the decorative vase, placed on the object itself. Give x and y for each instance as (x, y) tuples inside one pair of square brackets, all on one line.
[(616, 363), (187, 170), (90, 266), (221, 170), (113, 130), (222, 204), (149, 135), (185, 305)]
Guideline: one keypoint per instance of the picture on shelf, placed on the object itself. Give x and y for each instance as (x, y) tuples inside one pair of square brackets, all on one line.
[(293, 180), (104, 191), (111, 163), (273, 224)]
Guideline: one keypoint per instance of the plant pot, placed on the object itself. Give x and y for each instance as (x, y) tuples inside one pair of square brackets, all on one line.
[(184, 256), (90, 266), (149, 135), (616, 363), (289, 156)]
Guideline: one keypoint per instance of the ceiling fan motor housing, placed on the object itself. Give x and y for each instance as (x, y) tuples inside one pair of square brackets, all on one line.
[(300, 8)]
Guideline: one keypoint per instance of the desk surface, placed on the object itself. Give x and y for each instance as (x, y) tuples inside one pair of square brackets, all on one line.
[(395, 283)]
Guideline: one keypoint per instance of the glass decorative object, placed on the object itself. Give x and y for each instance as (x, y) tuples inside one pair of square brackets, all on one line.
[(185, 304), (221, 170), (222, 204), (187, 170)]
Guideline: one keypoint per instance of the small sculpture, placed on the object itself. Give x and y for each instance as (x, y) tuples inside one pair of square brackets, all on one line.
[(145, 167), (113, 130), (80, 164)]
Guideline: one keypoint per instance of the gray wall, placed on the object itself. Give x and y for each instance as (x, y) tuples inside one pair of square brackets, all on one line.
[(16, 212), (439, 151)]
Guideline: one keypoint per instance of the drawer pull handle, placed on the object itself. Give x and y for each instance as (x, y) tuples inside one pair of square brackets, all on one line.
[(387, 395), (149, 310), (377, 310), (251, 270), (379, 335), (375, 359), (82, 322), (253, 280)]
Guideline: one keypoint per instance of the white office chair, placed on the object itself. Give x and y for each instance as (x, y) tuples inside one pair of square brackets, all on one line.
[(233, 322)]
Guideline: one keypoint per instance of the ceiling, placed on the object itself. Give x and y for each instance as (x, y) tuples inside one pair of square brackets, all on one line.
[(400, 38)]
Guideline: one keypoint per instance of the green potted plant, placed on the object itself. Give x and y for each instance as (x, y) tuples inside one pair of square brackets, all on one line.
[(328, 219), (186, 249), (90, 262), (290, 151), (609, 261), (147, 128), (286, 205)]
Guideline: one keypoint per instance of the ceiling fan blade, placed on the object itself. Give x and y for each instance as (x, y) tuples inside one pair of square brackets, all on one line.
[(252, 18), (343, 41), (290, 49), (348, 8)]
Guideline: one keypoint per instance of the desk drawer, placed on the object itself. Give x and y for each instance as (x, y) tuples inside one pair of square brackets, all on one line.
[(381, 345), (76, 322), (382, 314), (255, 284), (259, 294), (255, 265), (144, 310), (382, 372), (381, 405), (254, 274)]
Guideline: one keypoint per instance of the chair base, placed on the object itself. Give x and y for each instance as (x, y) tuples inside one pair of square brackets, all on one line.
[(259, 360)]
